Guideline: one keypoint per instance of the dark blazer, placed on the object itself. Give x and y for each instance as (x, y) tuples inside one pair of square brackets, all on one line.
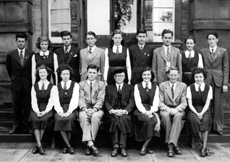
[(73, 61), (218, 67), (139, 59), (20, 75), (127, 97)]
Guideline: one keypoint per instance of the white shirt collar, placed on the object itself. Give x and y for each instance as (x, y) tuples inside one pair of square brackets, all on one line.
[(214, 48), (141, 46), (67, 84), (46, 53), (187, 53), (119, 48), (173, 84), (92, 48), (68, 48), (201, 86), (117, 85), (166, 48), (88, 81), (23, 51), (149, 84)]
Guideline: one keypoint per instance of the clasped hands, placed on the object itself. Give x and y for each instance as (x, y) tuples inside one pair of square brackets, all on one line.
[(171, 111), (118, 112), (41, 114), (62, 114)]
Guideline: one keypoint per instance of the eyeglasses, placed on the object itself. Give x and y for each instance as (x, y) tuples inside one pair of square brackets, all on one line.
[(119, 76)]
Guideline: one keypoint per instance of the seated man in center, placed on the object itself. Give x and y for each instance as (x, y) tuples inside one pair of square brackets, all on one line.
[(119, 103), (172, 105), (92, 93)]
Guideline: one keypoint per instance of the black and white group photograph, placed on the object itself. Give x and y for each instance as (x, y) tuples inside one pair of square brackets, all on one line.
[(114, 80)]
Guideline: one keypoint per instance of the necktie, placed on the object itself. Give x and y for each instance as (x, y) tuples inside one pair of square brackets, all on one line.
[(141, 47), (44, 55), (168, 55), (199, 90), (65, 87), (172, 89), (91, 89), (90, 50), (190, 55), (119, 88), (43, 87), (117, 52), (21, 57), (212, 53), (147, 87), (66, 49)]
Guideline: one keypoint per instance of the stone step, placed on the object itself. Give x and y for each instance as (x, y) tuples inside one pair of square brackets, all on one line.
[(6, 124), (6, 115)]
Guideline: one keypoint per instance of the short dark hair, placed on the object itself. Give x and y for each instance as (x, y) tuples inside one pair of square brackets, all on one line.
[(21, 35), (43, 39), (174, 68), (43, 66), (63, 67), (212, 33), (93, 66), (66, 33), (141, 31), (166, 31), (91, 33), (198, 70), (117, 31), (147, 68), (118, 71), (190, 37)]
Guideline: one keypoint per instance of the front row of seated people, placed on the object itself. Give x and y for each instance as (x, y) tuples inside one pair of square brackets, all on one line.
[(152, 108)]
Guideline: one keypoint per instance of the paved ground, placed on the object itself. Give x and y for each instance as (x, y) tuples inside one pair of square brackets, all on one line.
[(21, 152)]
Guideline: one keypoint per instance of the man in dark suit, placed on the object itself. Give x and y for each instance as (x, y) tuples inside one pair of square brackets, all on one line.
[(141, 55), (68, 54), (165, 57), (119, 103), (217, 65), (172, 105), (18, 63)]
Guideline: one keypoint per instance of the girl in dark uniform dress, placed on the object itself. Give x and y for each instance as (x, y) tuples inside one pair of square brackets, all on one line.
[(190, 60), (45, 57), (43, 95), (146, 95), (117, 57), (68, 102), (199, 96)]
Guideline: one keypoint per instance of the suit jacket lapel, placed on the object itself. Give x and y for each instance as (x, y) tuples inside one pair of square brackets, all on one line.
[(177, 90), (208, 55), (168, 90), (162, 52), (217, 53), (173, 53), (71, 53), (26, 57), (94, 54), (16, 55), (85, 55)]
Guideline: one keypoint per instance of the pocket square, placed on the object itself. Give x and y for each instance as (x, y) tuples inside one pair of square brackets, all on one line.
[(75, 55)]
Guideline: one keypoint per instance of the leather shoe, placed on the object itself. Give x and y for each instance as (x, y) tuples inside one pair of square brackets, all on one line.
[(220, 133), (65, 150), (149, 151), (202, 152), (207, 152), (123, 152), (171, 153), (143, 152), (177, 150), (114, 152), (71, 150), (41, 150), (14, 130), (87, 151), (35, 150), (95, 151)]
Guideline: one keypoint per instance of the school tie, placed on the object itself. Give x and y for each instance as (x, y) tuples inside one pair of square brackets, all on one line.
[(199, 89), (44, 55), (43, 87), (172, 89), (147, 87), (168, 55), (117, 52), (66, 49), (90, 50), (91, 90), (21, 57), (190, 55), (141, 47), (65, 86), (212, 53), (119, 88)]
